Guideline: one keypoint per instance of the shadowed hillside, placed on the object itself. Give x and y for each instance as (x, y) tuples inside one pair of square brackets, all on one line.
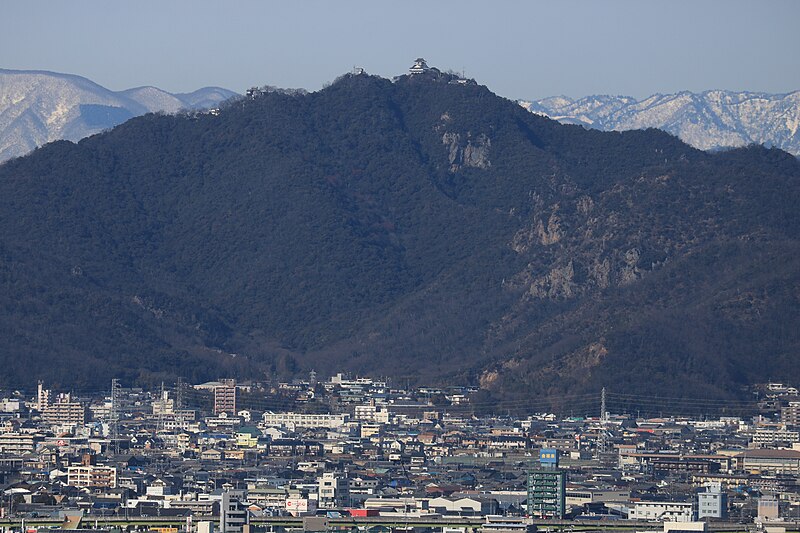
[(421, 228)]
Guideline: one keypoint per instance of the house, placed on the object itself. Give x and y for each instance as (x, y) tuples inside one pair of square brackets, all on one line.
[(212, 454), (247, 437)]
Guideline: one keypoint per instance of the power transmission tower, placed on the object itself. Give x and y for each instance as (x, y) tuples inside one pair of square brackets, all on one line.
[(603, 412), (161, 410), (113, 421), (602, 443), (179, 395)]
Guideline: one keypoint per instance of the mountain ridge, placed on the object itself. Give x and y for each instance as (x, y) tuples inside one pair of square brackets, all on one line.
[(37, 107), (423, 228), (709, 120)]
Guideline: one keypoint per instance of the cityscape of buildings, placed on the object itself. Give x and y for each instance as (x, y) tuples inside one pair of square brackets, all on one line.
[(231, 456)]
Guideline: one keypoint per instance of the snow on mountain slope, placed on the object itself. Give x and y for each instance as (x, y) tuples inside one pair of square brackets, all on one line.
[(710, 120), (37, 107)]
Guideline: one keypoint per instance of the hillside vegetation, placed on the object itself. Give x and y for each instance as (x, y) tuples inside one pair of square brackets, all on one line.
[(422, 229)]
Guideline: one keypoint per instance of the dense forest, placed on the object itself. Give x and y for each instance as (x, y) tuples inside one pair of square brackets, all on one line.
[(422, 228)]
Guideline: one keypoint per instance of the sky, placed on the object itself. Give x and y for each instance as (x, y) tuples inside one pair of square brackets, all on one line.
[(519, 49)]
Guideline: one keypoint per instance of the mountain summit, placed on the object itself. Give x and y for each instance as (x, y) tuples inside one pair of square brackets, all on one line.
[(421, 228), (37, 107)]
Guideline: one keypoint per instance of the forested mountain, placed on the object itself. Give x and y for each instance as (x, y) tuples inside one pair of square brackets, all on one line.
[(37, 107), (711, 120), (423, 229)]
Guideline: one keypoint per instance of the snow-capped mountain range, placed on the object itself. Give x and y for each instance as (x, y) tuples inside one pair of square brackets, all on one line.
[(37, 107), (710, 120)]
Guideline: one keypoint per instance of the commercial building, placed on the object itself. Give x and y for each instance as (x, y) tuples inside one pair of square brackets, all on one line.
[(547, 487)]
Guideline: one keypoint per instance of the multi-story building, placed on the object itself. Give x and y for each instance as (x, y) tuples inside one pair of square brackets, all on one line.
[(663, 511), (163, 405), (790, 414), (225, 398), (769, 461), (713, 503), (87, 475), (233, 513), (763, 437), (371, 413), (302, 420), (333, 491), (19, 443), (42, 397), (547, 487), (64, 412)]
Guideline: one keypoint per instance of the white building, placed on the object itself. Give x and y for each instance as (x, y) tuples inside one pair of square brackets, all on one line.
[(769, 436), (42, 397), (663, 511), (92, 476), (333, 491), (303, 420), (372, 413), (713, 503), (419, 66), (163, 405)]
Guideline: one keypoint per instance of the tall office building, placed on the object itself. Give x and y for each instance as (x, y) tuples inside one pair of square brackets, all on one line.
[(547, 487)]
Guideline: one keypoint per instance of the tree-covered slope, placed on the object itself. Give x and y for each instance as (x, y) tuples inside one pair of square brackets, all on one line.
[(419, 228)]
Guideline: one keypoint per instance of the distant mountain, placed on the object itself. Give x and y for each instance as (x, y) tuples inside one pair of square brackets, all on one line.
[(709, 121), (423, 229), (37, 107)]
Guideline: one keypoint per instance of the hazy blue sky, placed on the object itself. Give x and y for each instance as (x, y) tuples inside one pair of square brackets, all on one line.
[(518, 49)]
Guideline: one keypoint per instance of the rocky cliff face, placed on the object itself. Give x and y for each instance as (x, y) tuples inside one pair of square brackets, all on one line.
[(38, 107), (709, 121)]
